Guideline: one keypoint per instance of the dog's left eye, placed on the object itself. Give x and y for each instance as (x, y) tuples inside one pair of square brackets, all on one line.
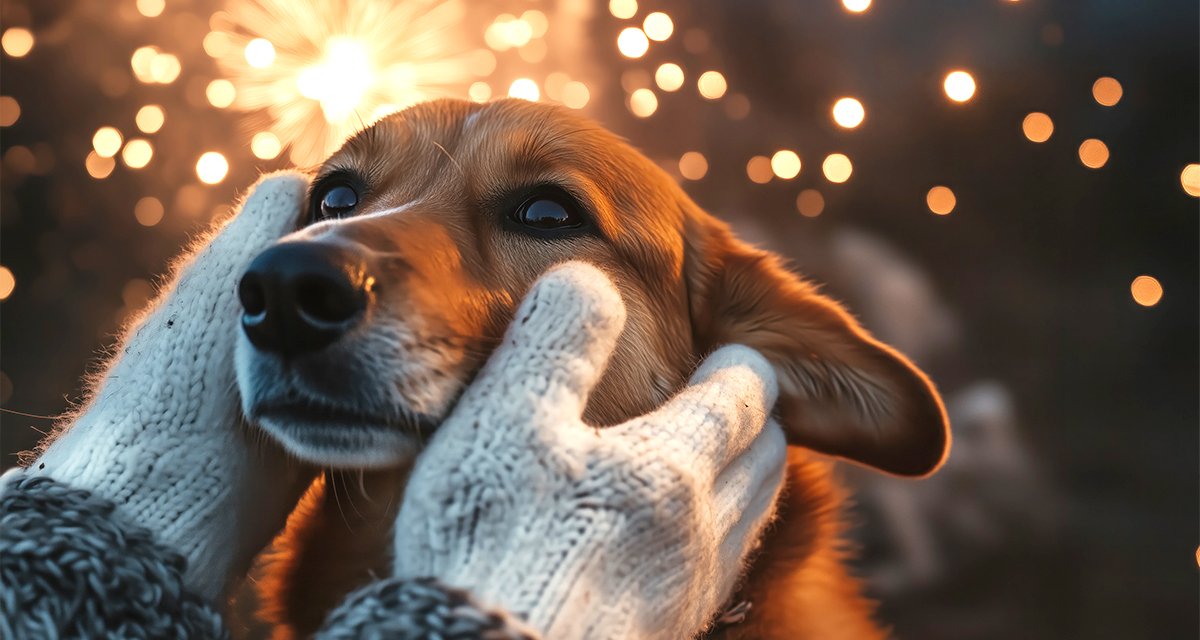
[(338, 201), (543, 212)]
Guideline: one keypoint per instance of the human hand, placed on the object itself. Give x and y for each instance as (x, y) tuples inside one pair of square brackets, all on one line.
[(636, 530)]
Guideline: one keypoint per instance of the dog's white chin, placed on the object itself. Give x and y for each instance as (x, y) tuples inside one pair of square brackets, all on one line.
[(344, 445)]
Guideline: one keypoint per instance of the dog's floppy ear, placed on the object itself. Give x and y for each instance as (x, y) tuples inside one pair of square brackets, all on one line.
[(842, 392)]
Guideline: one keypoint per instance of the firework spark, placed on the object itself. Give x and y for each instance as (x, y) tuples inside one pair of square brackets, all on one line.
[(312, 72)]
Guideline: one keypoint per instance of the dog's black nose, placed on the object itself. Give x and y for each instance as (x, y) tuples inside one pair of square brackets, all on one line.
[(298, 297)]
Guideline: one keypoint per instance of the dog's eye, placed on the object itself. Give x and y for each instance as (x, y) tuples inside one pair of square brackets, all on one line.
[(338, 201), (543, 212)]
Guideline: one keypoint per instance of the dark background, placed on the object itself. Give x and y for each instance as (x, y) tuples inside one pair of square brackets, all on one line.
[(1017, 303)]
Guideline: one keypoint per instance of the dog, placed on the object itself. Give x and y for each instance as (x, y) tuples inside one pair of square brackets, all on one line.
[(423, 233)]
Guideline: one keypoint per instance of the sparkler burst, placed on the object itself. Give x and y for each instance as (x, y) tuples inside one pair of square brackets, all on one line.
[(312, 72)]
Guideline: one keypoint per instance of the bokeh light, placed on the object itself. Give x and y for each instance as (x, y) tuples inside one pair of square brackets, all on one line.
[(1093, 153), (758, 169), (8, 282), (941, 200), (785, 164), (810, 203), (107, 141), (623, 9), (837, 168), (260, 53), (693, 165), (17, 42), (632, 42), (712, 84), (137, 153), (150, 118), (848, 113), (1037, 126), (669, 76), (148, 211), (212, 167), (658, 26), (10, 111), (643, 103), (959, 86), (480, 91), (151, 8), (856, 6), (220, 93), (575, 94), (525, 89), (98, 166), (265, 145), (1146, 290), (1107, 91), (1190, 179)]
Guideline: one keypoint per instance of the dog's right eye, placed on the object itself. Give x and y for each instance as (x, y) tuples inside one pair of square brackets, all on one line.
[(338, 201)]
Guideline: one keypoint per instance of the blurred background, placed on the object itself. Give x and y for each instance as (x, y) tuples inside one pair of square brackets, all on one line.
[(1005, 190)]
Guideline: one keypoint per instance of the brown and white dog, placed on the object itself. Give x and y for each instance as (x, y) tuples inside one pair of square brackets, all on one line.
[(425, 231)]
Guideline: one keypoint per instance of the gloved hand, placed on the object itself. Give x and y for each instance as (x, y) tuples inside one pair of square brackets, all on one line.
[(162, 436), (633, 531)]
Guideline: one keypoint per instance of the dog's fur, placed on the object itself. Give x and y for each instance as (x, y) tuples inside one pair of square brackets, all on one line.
[(431, 227)]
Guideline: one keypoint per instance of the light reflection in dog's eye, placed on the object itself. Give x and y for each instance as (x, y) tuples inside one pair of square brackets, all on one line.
[(338, 201), (544, 213)]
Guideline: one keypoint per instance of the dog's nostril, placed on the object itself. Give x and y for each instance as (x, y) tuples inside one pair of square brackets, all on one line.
[(327, 300), (252, 295)]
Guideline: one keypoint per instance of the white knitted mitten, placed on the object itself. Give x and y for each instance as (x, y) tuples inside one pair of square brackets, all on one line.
[(162, 435), (639, 530)]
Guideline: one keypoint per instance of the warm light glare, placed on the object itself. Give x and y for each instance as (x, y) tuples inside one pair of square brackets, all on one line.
[(107, 142), (220, 93), (1093, 153), (1038, 127), (575, 94), (141, 62), (623, 9), (669, 77), (17, 42), (150, 118), (339, 80), (848, 113), (837, 168), (758, 169), (216, 44), (260, 53), (810, 203), (712, 85), (941, 200), (632, 42), (265, 145), (212, 167), (525, 89), (8, 282), (480, 91), (643, 103), (693, 165), (148, 211), (137, 153), (658, 26), (164, 68), (151, 8), (856, 6), (10, 111), (785, 164), (1190, 179), (1146, 290), (1107, 91), (959, 86), (98, 166)]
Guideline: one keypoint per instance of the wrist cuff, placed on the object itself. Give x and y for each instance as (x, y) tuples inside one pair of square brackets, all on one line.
[(71, 568), (419, 608)]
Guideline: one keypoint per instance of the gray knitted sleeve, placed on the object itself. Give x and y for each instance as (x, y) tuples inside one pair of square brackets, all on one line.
[(70, 568)]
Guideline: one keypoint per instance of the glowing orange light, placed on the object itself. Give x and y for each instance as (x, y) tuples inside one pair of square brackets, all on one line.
[(1093, 153), (17, 42), (856, 6), (848, 113), (658, 26), (941, 200), (150, 118), (137, 153), (623, 9), (260, 53), (148, 211), (525, 89), (1190, 179), (1146, 290), (643, 103), (785, 164), (669, 77), (810, 203), (837, 168), (632, 42), (575, 94), (220, 93), (10, 111), (107, 142), (142, 62), (212, 167), (8, 282), (537, 21), (216, 44), (693, 165), (758, 169), (1107, 91), (164, 68), (98, 166), (712, 85), (151, 8), (480, 91), (265, 145), (959, 86), (1038, 127)]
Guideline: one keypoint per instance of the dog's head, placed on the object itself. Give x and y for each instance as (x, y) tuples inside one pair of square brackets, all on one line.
[(426, 229)]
